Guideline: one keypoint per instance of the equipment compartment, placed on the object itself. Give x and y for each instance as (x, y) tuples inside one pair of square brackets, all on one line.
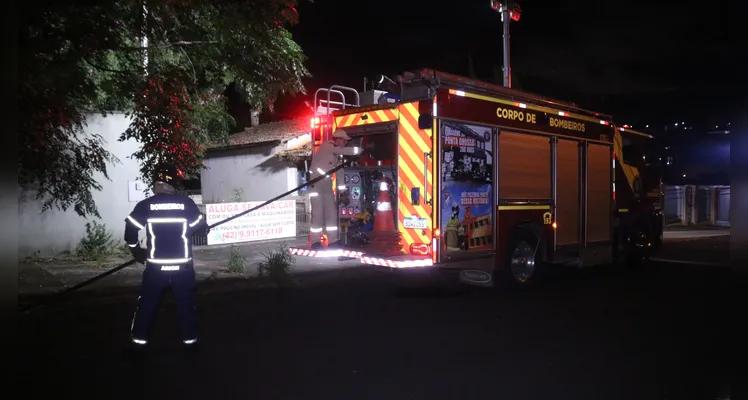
[(524, 166)]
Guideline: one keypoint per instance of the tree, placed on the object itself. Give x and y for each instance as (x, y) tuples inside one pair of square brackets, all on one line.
[(165, 63)]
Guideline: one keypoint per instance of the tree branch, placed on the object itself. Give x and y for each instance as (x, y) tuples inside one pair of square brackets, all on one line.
[(99, 67), (163, 46)]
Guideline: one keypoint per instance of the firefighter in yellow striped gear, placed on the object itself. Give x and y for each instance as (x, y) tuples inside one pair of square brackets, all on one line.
[(324, 206)]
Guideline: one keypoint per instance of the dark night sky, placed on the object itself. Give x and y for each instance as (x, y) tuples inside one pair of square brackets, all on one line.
[(640, 61)]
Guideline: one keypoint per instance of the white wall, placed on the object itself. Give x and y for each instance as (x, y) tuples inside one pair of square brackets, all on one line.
[(256, 170), (674, 206), (723, 206), (56, 231)]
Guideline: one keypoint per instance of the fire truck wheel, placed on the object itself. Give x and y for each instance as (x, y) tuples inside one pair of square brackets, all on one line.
[(523, 265), (657, 238), (633, 254)]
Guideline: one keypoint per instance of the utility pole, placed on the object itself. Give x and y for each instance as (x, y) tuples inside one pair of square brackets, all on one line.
[(509, 10)]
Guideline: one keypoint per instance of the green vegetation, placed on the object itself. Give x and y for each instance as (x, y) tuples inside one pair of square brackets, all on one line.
[(278, 265), (92, 57)]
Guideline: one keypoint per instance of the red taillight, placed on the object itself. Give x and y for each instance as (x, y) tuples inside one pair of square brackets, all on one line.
[(316, 121), (420, 249), (320, 120)]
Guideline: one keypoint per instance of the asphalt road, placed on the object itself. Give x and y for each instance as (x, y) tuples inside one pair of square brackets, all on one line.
[(714, 250), (654, 333)]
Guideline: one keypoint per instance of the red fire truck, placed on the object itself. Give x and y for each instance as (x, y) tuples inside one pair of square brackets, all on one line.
[(493, 183)]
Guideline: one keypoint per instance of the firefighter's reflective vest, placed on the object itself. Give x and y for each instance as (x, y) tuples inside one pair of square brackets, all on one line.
[(169, 221)]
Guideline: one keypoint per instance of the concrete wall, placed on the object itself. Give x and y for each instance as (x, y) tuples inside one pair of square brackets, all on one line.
[(723, 206), (56, 231), (674, 204), (690, 204), (255, 170)]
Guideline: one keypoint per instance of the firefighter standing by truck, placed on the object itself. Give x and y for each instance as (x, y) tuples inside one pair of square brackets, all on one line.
[(324, 205), (169, 220)]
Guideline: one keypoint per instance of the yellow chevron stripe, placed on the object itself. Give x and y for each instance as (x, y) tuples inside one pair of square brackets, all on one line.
[(405, 213), (412, 129), (416, 160), (366, 121), (384, 117), (629, 171), (414, 181), (347, 120), (413, 134), (341, 122), (421, 213), (407, 238), (411, 148)]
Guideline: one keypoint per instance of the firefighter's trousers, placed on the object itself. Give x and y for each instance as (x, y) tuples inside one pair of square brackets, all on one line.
[(155, 281), (324, 212)]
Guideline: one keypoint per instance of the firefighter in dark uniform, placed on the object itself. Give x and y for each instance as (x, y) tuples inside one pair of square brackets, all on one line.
[(169, 219)]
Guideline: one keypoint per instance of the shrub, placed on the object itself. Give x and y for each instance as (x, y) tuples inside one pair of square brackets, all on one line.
[(236, 260), (238, 196), (277, 265), (97, 244)]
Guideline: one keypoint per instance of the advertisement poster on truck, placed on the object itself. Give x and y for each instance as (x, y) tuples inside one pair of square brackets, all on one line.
[(274, 221), (467, 191)]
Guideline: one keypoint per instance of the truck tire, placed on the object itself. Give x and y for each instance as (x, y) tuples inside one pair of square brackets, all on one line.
[(632, 256), (522, 266), (657, 238)]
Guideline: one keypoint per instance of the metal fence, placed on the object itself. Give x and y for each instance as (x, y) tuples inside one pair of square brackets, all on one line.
[(303, 222)]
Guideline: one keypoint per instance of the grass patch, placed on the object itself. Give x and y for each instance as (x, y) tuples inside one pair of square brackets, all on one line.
[(237, 261), (278, 265)]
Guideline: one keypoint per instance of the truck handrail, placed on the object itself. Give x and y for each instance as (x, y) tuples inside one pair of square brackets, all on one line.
[(340, 88), (318, 102)]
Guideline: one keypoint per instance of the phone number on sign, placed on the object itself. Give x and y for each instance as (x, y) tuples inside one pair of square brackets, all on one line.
[(250, 233)]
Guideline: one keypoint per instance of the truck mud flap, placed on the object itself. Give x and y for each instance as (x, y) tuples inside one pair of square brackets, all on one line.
[(476, 277)]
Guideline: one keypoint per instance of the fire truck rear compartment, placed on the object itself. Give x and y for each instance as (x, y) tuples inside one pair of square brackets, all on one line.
[(359, 183)]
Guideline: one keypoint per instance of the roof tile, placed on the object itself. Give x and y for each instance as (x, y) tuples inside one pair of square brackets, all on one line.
[(267, 132)]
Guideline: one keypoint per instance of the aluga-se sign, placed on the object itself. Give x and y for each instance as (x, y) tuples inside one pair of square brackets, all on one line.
[(273, 221)]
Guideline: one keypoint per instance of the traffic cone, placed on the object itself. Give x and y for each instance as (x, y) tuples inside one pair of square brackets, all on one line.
[(322, 239), (384, 220), (385, 240)]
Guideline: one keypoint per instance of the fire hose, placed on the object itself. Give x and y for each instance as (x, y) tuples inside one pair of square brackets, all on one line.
[(60, 295)]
